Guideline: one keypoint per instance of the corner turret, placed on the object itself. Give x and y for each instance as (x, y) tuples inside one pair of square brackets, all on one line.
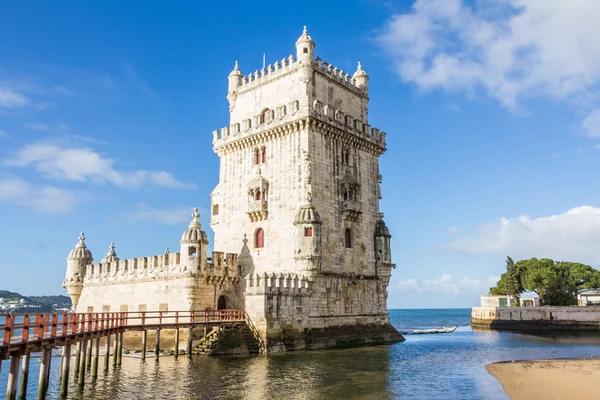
[(307, 252), (193, 245), (361, 80), (235, 81), (305, 48), (77, 260)]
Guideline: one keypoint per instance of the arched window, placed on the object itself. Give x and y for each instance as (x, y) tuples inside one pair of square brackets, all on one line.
[(308, 231), (347, 160), (259, 238), (263, 154), (257, 194), (256, 156), (348, 238)]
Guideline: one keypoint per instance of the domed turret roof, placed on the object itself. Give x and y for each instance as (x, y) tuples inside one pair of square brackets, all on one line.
[(381, 229), (236, 70), (359, 72), (81, 251), (111, 255), (194, 233), (304, 38), (307, 214)]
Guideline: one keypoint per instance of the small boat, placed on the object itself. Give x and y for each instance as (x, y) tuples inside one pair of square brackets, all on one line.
[(446, 329)]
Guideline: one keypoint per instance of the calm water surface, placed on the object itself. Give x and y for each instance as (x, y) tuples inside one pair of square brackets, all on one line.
[(437, 366)]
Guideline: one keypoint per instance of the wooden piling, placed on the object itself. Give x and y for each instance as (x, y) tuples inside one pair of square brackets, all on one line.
[(24, 375), (107, 353), (157, 347), (44, 373), (77, 359), (64, 377), (13, 377), (177, 342), (120, 357), (96, 355), (88, 362), (115, 349), (82, 360), (144, 341), (189, 343)]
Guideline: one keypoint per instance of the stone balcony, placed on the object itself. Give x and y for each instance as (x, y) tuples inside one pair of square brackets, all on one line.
[(350, 209), (257, 210)]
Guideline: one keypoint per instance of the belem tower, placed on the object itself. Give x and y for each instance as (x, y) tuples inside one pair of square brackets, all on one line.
[(303, 247)]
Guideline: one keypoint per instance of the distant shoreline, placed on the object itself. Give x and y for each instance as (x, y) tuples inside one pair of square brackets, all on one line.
[(569, 379)]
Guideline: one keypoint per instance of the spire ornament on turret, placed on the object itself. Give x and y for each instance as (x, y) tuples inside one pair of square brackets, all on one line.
[(361, 79), (194, 233), (236, 78), (111, 255)]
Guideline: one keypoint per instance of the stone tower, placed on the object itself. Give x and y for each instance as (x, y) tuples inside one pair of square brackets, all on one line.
[(299, 176), (77, 261)]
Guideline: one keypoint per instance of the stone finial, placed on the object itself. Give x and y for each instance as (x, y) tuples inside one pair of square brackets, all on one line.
[(308, 197), (166, 251), (82, 238), (195, 221), (245, 240), (236, 70)]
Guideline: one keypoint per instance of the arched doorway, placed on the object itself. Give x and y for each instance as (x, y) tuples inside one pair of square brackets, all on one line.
[(222, 303)]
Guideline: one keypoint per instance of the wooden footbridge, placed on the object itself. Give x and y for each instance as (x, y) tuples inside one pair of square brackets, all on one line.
[(24, 334)]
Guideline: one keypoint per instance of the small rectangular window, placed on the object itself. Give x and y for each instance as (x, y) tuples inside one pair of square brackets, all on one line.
[(307, 232), (215, 209), (142, 308), (90, 309), (105, 308), (164, 307), (305, 50), (124, 308)]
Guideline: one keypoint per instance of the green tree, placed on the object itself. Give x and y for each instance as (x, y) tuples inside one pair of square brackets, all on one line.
[(513, 283), (557, 283)]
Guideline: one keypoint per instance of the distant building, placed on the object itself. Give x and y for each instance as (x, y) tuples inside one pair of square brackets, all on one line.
[(497, 301), (529, 302), (588, 298)]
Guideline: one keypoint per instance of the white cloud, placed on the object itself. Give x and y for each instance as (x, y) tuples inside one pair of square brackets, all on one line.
[(36, 126), (43, 199), (573, 236), (591, 124), (10, 98), (82, 164), (171, 216), (445, 284), (510, 49)]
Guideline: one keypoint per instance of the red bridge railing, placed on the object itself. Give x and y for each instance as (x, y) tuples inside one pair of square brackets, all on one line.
[(21, 330)]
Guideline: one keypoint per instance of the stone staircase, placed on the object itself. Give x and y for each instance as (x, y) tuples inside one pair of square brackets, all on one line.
[(228, 340)]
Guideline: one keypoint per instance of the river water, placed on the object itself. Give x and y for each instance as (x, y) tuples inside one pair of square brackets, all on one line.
[(431, 366)]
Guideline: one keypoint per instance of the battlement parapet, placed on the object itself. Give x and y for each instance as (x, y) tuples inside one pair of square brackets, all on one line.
[(160, 267), (268, 74), (288, 284), (284, 113), (337, 74)]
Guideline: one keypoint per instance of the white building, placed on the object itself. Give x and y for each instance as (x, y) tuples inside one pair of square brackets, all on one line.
[(303, 246), (589, 297)]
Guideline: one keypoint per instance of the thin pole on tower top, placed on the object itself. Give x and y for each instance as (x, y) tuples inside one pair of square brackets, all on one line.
[(264, 60)]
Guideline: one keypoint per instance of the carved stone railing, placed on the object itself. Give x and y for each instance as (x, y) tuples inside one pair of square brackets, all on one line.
[(350, 209), (257, 210)]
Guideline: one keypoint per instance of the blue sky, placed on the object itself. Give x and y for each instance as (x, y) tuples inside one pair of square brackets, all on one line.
[(491, 109)]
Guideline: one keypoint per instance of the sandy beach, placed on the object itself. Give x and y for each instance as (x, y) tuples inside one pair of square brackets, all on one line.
[(549, 379)]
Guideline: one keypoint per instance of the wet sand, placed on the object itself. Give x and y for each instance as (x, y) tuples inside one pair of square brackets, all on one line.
[(549, 379)]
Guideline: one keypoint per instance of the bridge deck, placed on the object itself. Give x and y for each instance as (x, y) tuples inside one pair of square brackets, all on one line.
[(27, 333)]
